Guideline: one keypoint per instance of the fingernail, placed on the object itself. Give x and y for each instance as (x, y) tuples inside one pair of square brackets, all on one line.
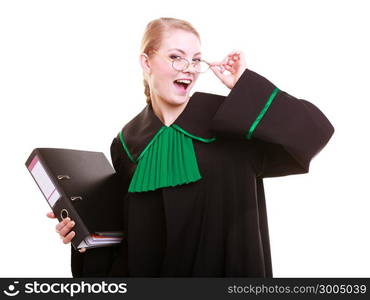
[(72, 223)]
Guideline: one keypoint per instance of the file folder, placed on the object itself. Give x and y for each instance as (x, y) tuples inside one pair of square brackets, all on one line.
[(81, 185)]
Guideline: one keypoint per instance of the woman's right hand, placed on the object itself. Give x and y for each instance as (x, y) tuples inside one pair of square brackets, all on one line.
[(63, 228)]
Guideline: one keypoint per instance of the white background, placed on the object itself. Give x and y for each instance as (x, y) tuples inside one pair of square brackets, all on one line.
[(70, 78)]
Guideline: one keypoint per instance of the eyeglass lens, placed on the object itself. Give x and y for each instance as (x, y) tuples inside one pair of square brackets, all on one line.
[(181, 64)]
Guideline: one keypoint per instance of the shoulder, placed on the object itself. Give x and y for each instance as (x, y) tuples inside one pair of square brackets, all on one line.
[(136, 134), (119, 149)]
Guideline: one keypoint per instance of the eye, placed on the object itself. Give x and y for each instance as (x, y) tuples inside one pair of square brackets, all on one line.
[(197, 59), (175, 57)]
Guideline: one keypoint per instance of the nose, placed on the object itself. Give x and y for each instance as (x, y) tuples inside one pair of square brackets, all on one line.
[(190, 69)]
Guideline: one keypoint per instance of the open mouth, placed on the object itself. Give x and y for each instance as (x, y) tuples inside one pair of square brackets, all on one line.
[(182, 84)]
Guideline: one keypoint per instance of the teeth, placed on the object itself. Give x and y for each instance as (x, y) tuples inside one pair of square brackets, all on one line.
[(186, 81)]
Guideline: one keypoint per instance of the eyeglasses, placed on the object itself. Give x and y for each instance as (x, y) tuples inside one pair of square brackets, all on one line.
[(181, 63)]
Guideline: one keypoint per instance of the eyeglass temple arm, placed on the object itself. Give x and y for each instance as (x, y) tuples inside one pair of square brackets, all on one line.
[(208, 63)]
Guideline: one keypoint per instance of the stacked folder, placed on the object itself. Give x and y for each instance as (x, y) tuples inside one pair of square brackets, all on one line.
[(81, 185)]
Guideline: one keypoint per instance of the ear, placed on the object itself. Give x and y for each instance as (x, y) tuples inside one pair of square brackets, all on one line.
[(144, 62)]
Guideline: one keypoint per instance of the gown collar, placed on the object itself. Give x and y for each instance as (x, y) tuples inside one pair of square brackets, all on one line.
[(195, 120)]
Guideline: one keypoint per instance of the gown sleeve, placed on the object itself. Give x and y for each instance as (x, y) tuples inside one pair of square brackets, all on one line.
[(105, 261), (288, 131)]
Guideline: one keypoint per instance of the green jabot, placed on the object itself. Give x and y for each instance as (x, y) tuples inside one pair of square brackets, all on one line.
[(168, 160)]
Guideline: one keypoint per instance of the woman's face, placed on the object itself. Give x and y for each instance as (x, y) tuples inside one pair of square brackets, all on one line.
[(162, 76)]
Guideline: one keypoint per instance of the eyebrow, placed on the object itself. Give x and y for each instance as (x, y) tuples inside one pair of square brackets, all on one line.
[(182, 51)]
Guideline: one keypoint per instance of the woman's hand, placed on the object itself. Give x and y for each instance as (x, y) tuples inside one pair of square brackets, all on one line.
[(63, 228), (234, 63)]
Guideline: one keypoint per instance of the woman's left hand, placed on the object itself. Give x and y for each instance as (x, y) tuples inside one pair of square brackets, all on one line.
[(234, 63)]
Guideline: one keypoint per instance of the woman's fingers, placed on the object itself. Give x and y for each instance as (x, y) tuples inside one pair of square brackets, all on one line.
[(67, 239), (225, 79), (234, 64), (218, 70), (230, 62), (216, 63), (66, 228), (229, 59), (50, 215), (235, 56), (217, 67), (61, 224)]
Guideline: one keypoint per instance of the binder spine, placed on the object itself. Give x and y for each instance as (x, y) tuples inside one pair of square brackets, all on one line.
[(54, 194)]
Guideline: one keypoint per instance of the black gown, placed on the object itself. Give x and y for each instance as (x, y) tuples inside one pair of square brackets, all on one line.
[(214, 222)]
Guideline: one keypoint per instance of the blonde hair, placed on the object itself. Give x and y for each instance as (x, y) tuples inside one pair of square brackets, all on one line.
[(153, 35)]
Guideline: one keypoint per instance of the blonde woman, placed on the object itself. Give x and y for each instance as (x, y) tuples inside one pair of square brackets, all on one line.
[(192, 167)]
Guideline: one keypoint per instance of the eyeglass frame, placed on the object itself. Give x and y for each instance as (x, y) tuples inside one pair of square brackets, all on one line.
[(183, 58)]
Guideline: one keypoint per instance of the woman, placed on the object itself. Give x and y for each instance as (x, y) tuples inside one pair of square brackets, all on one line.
[(192, 168)]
